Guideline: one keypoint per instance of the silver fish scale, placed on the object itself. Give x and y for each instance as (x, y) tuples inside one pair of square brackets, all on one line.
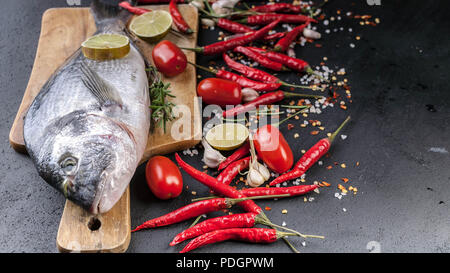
[(65, 95)]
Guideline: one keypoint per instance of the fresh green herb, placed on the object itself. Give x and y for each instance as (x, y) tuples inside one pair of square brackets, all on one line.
[(160, 106)]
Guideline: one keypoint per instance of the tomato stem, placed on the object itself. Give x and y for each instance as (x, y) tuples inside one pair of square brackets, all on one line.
[(214, 71)]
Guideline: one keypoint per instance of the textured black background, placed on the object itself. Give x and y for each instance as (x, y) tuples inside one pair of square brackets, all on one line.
[(395, 70)]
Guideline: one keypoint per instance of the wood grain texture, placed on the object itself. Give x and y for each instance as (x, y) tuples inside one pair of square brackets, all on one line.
[(62, 32), (64, 29)]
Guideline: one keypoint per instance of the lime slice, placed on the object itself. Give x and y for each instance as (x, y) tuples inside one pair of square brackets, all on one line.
[(227, 136), (106, 47), (151, 26)]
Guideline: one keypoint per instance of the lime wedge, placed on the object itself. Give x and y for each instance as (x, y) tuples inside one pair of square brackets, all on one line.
[(227, 136), (151, 26), (103, 47)]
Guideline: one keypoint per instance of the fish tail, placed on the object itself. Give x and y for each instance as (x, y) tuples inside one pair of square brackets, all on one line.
[(109, 16)]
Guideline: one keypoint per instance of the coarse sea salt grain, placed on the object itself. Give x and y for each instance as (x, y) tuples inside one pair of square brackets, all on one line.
[(352, 45), (343, 137)]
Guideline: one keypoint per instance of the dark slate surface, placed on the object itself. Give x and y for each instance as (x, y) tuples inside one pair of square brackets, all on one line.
[(395, 70)]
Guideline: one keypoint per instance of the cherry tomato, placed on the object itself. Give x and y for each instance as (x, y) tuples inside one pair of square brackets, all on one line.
[(163, 177), (220, 92), (169, 58), (273, 148)]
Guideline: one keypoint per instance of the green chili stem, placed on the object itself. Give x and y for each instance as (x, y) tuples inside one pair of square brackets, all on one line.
[(333, 136)]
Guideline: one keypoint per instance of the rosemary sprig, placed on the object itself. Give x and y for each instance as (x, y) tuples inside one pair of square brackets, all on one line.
[(159, 92)]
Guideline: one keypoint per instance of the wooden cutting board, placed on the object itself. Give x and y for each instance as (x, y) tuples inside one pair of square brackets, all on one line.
[(62, 32)]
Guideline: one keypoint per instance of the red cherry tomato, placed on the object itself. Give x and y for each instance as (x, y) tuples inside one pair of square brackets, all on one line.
[(169, 58), (163, 177), (273, 149), (220, 92)]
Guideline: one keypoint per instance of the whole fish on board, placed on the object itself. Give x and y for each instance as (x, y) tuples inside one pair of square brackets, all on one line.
[(87, 129)]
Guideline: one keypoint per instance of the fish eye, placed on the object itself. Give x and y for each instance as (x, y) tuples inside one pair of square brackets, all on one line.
[(68, 164)]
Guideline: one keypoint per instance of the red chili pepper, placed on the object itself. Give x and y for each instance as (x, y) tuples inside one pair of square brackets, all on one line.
[(262, 60), (233, 27), (252, 235), (230, 172), (247, 83), (238, 154), (220, 47), (256, 74), (292, 63), (218, 187), (189, 211), (310, 157), (276, 35), (134, 10), (242, 81), (265, 99), (292, 191), (267, 18), (242, 220), (280, 7), (273, 148), (249, 72), (178, 18), (283, 44)]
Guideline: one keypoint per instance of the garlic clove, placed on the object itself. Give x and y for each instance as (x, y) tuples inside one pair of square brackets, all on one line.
[(264, 171), (311, 34), (254, 178), (211, 157), (249, 94), (208, 22)]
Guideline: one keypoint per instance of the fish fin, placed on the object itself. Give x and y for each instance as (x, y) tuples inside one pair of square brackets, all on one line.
[(101, 90), (109, 17)]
